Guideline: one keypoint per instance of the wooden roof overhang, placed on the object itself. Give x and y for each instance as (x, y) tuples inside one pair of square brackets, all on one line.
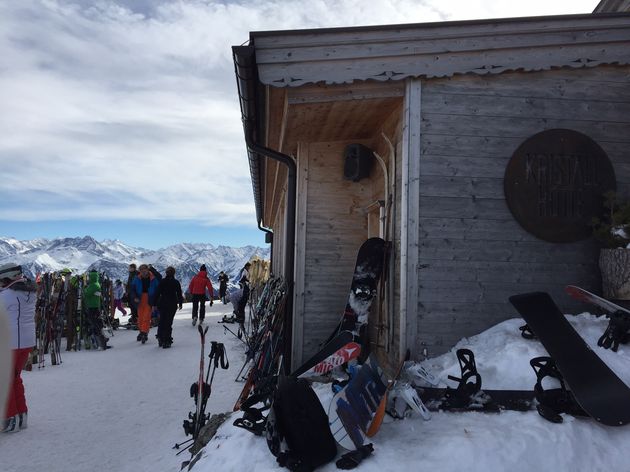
[(292, 88)]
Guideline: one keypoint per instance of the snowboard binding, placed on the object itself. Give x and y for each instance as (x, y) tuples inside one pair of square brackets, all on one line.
[(469, 384), (526, 332), (552, 402), (617, 332), (252, 420)]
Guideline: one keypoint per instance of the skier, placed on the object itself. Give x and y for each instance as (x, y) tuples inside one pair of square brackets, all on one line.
[(92, 296), (18, 298), (155, 312), (244, 283), (168, 297), (143, 292), (119, 292), (197, 289), (223, 280), (70, 307)]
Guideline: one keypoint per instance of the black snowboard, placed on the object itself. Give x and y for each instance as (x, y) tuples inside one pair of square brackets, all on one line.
[(485, 401), (367, 272), (596, 388)]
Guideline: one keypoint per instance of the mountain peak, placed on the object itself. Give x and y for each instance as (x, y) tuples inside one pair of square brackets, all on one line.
[(113, 257)]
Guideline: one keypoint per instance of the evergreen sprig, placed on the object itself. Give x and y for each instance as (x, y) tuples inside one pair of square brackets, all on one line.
[(613, 228)]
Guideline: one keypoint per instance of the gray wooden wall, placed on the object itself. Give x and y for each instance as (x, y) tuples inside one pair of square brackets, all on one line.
[(473, 255)]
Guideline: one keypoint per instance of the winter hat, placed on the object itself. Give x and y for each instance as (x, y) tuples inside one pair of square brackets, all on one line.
[(203, 267), (10, 271)]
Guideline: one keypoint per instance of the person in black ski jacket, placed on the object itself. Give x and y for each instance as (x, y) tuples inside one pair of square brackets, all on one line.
[(242, 303), (155, 312), (223, 280), (168, 298), (133, 306)]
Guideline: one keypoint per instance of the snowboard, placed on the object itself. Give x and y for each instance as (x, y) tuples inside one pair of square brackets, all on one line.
[(587, 297), (618, 330), (342, 355), (330, 348), (484, 401), (367, 272), (596, 388), (352, 409)]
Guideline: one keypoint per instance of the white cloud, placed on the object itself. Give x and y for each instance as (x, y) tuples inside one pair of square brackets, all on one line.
[(128, 109)]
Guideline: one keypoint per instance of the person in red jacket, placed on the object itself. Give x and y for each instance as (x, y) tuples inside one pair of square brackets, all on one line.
[(197, 289)]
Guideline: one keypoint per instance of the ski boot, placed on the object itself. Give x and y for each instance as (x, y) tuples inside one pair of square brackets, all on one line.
[(145, 338), (22, 420), (139, 337), (11, 425), (194, 320)]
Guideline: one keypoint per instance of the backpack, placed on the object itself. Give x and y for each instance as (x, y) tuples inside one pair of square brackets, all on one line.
[(297, 427)]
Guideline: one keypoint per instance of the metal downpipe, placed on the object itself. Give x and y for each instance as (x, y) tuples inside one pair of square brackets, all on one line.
[(289, 271)]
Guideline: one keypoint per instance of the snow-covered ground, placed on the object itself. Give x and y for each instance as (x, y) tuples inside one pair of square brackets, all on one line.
[(121, 410)]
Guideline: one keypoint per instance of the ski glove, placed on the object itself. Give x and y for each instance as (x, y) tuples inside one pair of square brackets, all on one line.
[(354, 458)]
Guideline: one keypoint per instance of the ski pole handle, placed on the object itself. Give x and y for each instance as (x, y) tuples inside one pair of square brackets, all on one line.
[(217, 352)]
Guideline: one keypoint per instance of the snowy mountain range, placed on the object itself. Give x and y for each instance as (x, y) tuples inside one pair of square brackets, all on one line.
[(113, 257)]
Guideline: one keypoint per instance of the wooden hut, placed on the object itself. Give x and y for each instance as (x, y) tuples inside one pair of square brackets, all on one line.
[(445, 109)]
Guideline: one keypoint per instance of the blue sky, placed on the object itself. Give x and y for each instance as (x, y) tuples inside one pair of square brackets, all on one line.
[(120, 118), (148, 234)]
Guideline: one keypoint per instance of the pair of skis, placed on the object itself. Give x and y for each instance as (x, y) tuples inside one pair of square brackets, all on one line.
[(202, 389)]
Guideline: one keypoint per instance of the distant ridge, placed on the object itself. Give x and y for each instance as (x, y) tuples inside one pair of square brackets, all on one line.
[(112, 257)]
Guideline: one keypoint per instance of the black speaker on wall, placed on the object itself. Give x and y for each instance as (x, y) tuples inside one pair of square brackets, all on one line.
[(358, 161)]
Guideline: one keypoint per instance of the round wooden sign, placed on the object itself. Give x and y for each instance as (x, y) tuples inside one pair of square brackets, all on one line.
[(555, 182)]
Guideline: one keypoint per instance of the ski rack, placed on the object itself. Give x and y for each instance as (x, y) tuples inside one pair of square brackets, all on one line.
[(552, 402)]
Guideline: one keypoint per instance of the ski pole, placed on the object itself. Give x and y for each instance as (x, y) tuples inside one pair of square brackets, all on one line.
[(217, 353), (235, 335)]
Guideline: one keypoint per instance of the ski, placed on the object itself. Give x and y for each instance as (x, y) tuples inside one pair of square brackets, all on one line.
[(618, 329), (199, 420), (331, 349), (596, 388)]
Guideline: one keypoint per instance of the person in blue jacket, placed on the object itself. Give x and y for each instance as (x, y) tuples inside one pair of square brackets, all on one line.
[(144, 287)]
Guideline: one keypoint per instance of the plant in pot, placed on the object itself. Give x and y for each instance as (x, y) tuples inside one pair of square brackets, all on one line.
[(613, 231)]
